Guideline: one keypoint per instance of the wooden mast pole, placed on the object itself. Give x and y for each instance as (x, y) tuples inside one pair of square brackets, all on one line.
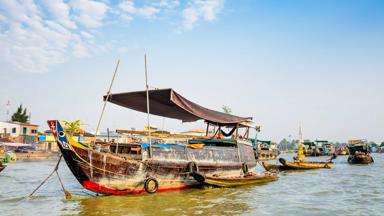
[(147, 89), (106, 100)]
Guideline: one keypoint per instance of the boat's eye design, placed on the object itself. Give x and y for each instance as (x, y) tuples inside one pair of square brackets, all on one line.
[(61, 134)]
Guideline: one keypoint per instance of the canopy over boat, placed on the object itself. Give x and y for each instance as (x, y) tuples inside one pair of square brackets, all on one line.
[(168, 103)]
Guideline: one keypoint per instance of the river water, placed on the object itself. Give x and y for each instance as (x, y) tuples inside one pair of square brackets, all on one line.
[(343, 190)]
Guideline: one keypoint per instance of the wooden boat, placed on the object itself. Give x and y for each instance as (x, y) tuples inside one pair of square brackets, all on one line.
[(254, 179), (2, 167), (318, 148), (359, 153), (304, 164), (295, 165), (152, 167), (266, 150), (342, 151), (273, 167)]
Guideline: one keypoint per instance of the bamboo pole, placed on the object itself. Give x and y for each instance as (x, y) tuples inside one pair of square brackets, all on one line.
[(106, 100), (147, 89)]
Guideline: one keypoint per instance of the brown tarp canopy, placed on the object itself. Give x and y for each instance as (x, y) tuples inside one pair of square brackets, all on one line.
[(168, 103)]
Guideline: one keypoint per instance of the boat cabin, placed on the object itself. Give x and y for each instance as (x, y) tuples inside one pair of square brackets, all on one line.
[(230, 141)]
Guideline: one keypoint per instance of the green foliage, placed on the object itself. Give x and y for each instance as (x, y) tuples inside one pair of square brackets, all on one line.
[(72, 127), (20, 115), (227, 109)]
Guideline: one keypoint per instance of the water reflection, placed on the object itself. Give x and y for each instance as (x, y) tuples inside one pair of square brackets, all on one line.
[(211, 201), (343, 190)]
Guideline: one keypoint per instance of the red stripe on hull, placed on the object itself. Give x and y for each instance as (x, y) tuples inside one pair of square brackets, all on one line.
[(97, 188)]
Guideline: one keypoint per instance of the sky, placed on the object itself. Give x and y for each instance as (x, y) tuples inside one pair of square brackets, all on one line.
[(318, 63)]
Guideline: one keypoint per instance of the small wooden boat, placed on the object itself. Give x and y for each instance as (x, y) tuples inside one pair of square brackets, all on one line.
[(359, 153), (304, 164), (360, 159), (2, 167), (251, 178), (296, 165), (273, 167), (342, 151)]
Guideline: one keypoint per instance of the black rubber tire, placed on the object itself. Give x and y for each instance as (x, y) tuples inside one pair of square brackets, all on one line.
[(198, 177), (192, 167), (149, 180), (245, 169), (282, 161)]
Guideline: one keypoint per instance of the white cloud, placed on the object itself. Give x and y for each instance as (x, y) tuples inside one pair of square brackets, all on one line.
[(89, 13), (36, 35), (147, 11), (128, 9), (31, 42), (201, 9), (167, 3), (61, 12), (127, 6)]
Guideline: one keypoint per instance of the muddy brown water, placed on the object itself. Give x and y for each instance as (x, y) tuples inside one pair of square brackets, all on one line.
[(343, 190)]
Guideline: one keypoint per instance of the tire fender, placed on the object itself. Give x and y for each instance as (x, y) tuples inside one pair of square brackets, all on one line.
[(245, 168), (147, 185)]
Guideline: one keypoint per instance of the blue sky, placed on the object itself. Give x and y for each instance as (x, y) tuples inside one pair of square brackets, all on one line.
[(318, 62)]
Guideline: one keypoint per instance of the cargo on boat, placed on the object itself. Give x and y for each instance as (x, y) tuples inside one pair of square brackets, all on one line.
[(151, 166), (318, 148), (358, 152)]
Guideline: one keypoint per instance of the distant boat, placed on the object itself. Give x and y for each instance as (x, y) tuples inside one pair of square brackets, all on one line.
[(154, 167), (319, 148), (266, 150), (298, 162), (342, 150), (2, 167), (296, 165), (359, 153)]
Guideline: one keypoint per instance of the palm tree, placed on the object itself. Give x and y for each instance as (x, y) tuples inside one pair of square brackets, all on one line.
[(72, 127), (227, 109), (20, 115)]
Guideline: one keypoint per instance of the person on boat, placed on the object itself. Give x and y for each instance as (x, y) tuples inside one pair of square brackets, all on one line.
[(98, 147), (300, 154)]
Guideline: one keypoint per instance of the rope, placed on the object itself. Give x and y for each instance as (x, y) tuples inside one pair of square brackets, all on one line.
[(68, 195), (46, 179)]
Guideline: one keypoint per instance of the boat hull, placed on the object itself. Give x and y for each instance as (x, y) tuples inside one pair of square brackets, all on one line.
[(168, 169), (2, 167), (273, 167), (295, 165), (360, 159), (239, 181)]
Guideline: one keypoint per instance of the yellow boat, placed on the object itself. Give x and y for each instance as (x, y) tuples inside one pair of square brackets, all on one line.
[(254, 179), (299, 162), (304, 164)]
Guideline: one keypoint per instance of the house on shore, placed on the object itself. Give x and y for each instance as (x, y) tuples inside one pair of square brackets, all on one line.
[(19, 132)]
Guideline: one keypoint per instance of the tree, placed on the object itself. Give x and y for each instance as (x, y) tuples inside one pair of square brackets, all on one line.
[(284, 144), (227, 109), (72, 127), (20, 115)]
